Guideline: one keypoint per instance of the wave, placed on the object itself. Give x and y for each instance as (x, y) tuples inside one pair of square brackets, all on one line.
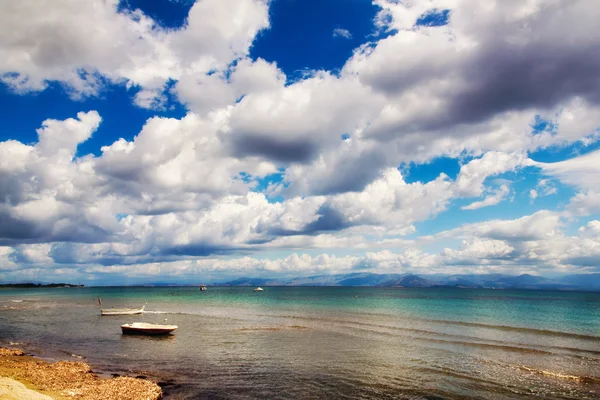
[(546, 332), (480, 344), (274, 328), (542, 332), (577, 378)]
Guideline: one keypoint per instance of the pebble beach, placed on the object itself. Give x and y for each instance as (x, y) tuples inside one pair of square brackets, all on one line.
[(26, 377)]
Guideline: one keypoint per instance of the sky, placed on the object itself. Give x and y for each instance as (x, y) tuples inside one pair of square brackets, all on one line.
[(189, 142)]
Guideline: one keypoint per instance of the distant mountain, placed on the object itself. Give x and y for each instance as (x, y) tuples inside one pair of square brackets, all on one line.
[(496, 281), (587, 281), (527, 281), (410, 281), (250, 282), (469, 280), (368, 279), (353, 279)]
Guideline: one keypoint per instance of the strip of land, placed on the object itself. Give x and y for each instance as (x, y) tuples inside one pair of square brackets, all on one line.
[(25, 377)]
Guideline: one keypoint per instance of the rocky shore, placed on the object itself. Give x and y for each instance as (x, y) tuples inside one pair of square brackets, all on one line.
[(23, 376)]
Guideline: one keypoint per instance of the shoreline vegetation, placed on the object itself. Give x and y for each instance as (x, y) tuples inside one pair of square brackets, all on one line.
[(25, 376), (37, 285)]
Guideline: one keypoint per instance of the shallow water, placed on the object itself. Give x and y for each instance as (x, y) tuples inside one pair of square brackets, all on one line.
[(308, 342)]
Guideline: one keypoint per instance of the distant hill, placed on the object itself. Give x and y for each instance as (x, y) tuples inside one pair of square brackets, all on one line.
[(410, 281), (587, 281), (249, 282), (496, 281)]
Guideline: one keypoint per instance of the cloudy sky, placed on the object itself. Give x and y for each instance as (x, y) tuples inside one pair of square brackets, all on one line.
[(196, 141)]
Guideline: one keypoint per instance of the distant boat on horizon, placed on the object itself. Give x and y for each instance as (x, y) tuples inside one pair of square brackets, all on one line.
[(203, 287), (259, 289)]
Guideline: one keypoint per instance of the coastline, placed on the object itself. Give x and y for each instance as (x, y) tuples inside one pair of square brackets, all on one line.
[(31, 377)]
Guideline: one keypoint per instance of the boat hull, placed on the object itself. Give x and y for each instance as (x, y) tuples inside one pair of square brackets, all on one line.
[(132, 329), (121, 311)]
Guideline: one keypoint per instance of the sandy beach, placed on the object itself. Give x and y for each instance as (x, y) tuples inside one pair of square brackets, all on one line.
[(26, 377)]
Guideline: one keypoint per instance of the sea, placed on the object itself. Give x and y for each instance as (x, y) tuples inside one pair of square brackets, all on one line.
[(323, 342)]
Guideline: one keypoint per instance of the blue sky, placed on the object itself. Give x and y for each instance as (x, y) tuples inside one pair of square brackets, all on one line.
[(194, 141)]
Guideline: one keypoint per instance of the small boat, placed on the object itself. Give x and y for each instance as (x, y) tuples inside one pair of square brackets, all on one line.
[(259, 289), (203, 287), (143, 328), (122, 311)]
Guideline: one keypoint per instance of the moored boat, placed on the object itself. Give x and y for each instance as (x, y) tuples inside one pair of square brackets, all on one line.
[(143, 328), (122, 311), (203, 287), (259, 289)]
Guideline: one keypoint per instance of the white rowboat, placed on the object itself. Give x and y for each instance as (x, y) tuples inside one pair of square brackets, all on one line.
[(122, 311), (142, 328)]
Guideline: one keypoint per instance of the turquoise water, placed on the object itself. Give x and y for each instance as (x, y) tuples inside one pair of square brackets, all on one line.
[(309, 342)]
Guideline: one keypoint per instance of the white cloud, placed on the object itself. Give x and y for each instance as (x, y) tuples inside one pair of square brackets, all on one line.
[(296, 122), (204, 93), (462, 82), (533, 194), (538, 226), (174, 191), (490, 200), (529, 244), (591, 230), (546, 187), (582, 172), (6, 263), (585, 203), (509, 246), (478, 251), (45, 191), (62, 137), (343, 33), (40, 44)]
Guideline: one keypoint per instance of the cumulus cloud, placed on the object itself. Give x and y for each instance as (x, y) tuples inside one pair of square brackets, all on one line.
[(585, 203), (474, 255), (174, 190), (519, 245), (44, 187), (297, 122), (538, 226), (41, 44), (474, 68), (478, 251), (434, 91)]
